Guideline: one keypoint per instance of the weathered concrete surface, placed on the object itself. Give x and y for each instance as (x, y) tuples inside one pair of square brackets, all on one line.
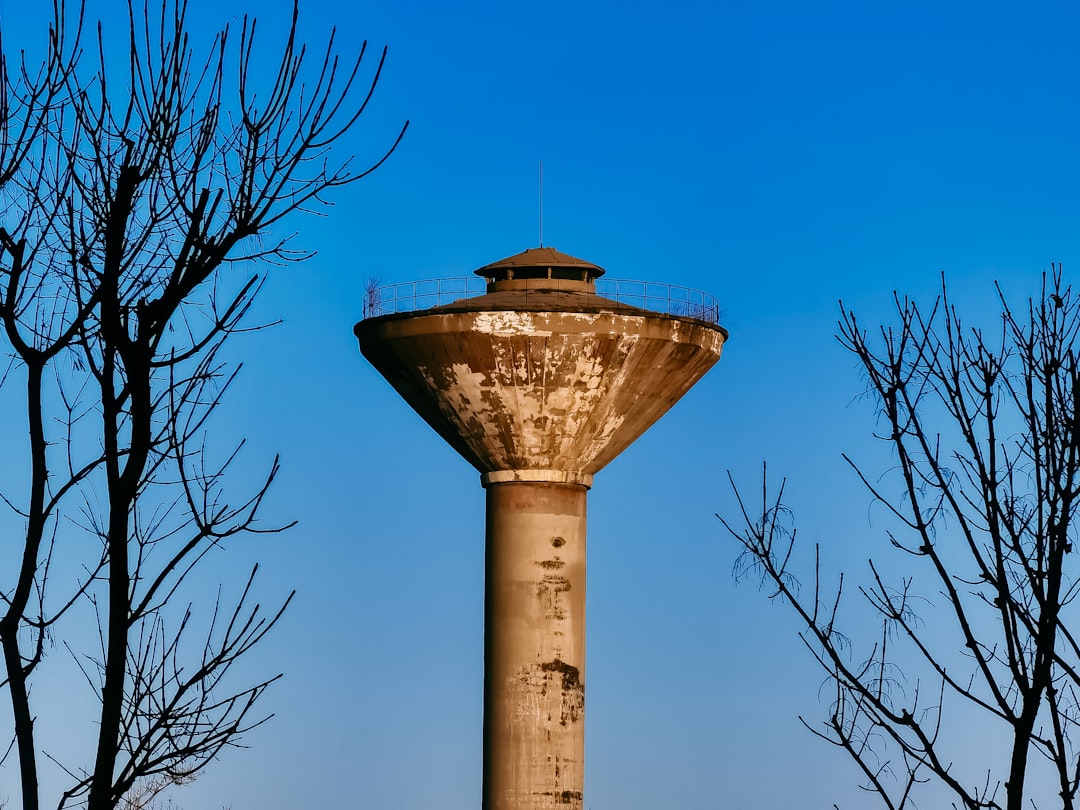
[(562, 390), (534, 647)]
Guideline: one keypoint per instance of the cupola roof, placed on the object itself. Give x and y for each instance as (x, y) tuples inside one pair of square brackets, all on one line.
[(540, 258)]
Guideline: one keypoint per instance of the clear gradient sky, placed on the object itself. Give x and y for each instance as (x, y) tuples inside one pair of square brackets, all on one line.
[(781, 155)]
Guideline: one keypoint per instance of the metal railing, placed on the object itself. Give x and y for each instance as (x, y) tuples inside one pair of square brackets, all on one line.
[(655, 296), (409, 296)]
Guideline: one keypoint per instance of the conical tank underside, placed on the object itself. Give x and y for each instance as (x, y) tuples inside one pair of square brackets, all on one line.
[(562, 390)]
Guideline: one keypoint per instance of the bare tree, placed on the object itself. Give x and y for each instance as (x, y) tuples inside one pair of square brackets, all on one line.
[(969, 690), (137, 209)]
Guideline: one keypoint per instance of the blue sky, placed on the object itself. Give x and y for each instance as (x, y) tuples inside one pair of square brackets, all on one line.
[(779, 155)]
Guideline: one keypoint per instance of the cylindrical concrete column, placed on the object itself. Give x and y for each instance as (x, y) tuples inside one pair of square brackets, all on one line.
[(534, 646)]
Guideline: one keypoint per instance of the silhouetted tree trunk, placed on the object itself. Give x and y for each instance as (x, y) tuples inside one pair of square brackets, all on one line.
[(975, 650), (135, 209)]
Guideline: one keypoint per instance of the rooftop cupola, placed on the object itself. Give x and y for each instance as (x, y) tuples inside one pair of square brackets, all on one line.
[(541, 268)]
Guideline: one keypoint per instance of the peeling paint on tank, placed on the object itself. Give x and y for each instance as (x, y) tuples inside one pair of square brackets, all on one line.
[(553, 390), (466, 385), (507, 322)]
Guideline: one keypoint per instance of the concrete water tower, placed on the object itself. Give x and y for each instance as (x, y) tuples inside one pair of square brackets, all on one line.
[(538, 382)]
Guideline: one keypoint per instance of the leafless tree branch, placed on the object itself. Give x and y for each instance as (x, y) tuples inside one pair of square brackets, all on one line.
[(985, 431)]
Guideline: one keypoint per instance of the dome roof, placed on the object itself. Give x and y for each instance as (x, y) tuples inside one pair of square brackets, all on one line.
[(538, 258)]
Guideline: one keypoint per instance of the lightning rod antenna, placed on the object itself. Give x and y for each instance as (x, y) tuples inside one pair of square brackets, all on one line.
[(541, 202)]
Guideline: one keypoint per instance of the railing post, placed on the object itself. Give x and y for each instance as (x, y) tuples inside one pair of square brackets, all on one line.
[(653, 296)]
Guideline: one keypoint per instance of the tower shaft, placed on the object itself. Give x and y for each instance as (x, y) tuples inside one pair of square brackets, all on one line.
[(534, 646)]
